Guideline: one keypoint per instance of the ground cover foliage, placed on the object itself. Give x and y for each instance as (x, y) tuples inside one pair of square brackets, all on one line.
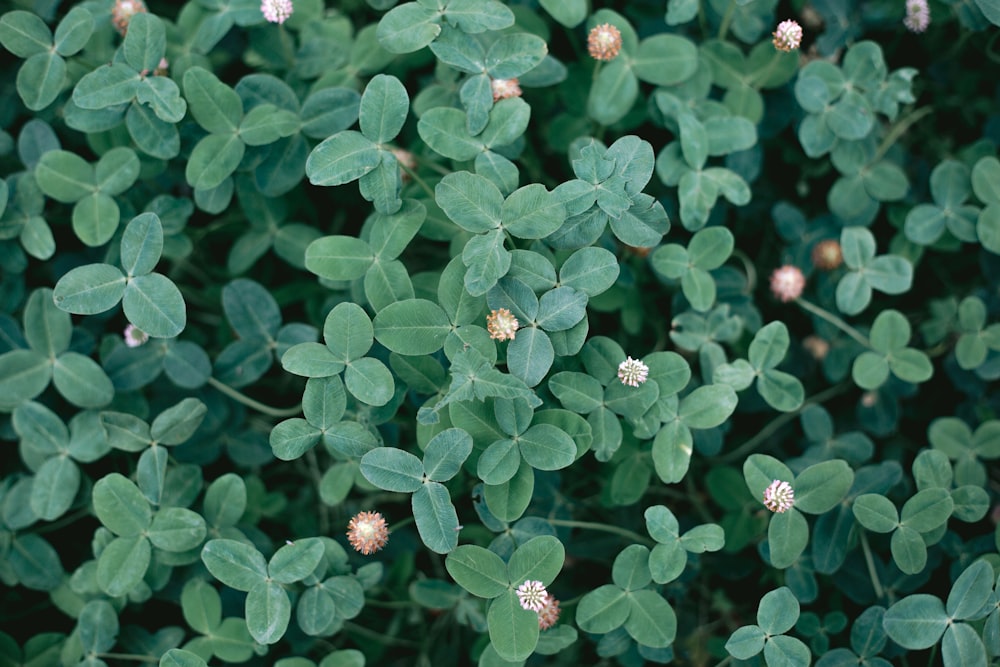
[(549, 332)]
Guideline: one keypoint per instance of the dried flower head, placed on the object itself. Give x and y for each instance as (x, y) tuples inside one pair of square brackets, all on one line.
[(632, 372), (827, 255), (549, 613), (918, 16), (779, 496), (816, 346), (532, 595), (788, 36), (123, 11), (162, 68), (501, 324), (276, 11), (787, 283), (604, 42), (134, 336), (504, 88), (869, 399), (367, 532)]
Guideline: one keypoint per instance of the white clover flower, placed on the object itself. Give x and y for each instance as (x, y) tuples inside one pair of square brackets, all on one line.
[(918, 16), (787, 283), (632, 372), (134, 336), (501, 324), (532, 595), (276, 11), (788, 36), (779, 496)]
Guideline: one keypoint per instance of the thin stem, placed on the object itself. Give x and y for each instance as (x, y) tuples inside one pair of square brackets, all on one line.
[(870, 562), (898, 130), (759, 80), (589, 525), (727, 18), (748, 268), (378, 636), (772, 427), (725, 661), (834, 320), (129, 656), (254, 404), (323, 510), (416, 179)]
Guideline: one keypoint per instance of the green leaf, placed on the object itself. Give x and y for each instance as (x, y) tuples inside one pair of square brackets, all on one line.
[(540, 558), (499, 463), (665, 60), (576, 391), (292, 438), (95, 219), (532, 212), (54, 487), (875, 512), (746, 642), (631, 568), (509, 500), (820, 487), (603, 609), (213, 105), (141, 245), (146, 42), (154, 304), (265, 124), (651, 620), (971, 591), (339, 257), (213, 160), (268, 611), (477, 570), (97, 626), (408, 27), (927, 510), (769, 346), (694, 140), (707, 406), (784, 651), (342, 158), (546, 447), (561, 308), (709, 248), (672, 449), (471, 201), (917, 621), (778, 611), (65, 176), (590, 270), (40, 80), (177, 423), (908, 550), (236, 564), (530, 356), (412, 327), (445, 454), (24, 34), (384, 107), (73, 31), (787, 537), (444, 130), (393, 469), (106, 86), (570, 13), (90, 289), (176, 657), (613, 92), (177, 529), (513, 630), (435, 516), (348, 332), (296, 561), (120, 506), (961, 645)]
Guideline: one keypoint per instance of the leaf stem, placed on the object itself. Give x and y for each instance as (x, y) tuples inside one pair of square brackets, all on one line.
[(834, 320), (590, 525), (416, 179), (870, 563), (772, 427), (377, 636), (129, 656), (254, 404), (898, 130), (727, 18)]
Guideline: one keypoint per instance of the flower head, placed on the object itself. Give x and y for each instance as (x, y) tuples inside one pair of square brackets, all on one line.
[(918, 16), (501, 324), (549, 613), (123, 11), (788, 36), (504, 88), (779, 496), (367, 532), (827, 255), (276, 11), (632, 372), (134, 336), (162, 68), (816, 346), (532, 595), (787, 283), (604, 42)]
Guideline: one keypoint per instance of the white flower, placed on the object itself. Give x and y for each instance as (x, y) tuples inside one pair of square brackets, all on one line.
[(787, 283), (918, 16), (276, 11), (501, 324), (134, 336), (532, 595), (788, 36), (632, 372), (779, 496)]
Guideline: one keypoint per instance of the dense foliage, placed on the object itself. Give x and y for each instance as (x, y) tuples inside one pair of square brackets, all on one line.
[(541, 332)]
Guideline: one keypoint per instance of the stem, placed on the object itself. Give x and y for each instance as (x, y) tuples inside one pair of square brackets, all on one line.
[(377, 636), (129, 656), (624, 532), (748, 268), (772, 427), (834, 320), (727, 18), (253, 404), (416, 179), (323, 510), (898, 130), (870, 562), (759, 80), (725, 661)]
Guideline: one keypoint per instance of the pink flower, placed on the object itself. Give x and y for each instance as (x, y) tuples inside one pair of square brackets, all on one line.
[(779, 496), (549, 613), (123, 11), (788, 36), (918, 16), (134, 336), (276, 11), (504, 88), (632, 372), (787, 283), (367, 532), (604, 42), (532, 595)]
